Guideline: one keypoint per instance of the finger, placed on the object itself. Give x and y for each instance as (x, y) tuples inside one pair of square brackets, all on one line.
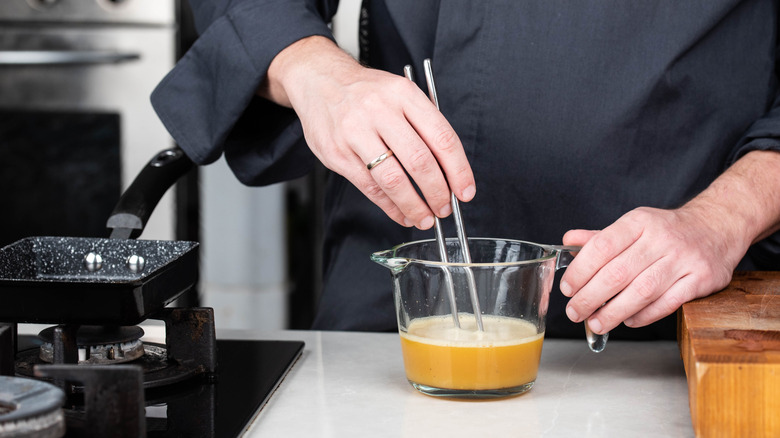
[(683, 290), (597, 252), (369, 187), (612, 278), (446, 147), (578, 237), (392, 180), (421, 165), (643, 291), (347, 163)]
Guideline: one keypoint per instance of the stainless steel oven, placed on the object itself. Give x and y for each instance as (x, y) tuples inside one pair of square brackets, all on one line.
[(76, 123)]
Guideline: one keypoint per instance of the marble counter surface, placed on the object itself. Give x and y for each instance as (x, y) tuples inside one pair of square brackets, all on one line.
[(353, 384)]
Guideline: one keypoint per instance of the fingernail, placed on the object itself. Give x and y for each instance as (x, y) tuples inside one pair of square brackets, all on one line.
[(445, 211), (629, 322), (469, 192), (595, 325), (426, 223), (565, 288), (408, 222), (572, 314)]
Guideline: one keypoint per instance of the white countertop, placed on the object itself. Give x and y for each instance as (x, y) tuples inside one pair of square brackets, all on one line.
[(353, 384)]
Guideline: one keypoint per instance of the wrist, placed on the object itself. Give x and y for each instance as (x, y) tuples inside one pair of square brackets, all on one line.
[(292, 68), (728, 229), (741, 206)]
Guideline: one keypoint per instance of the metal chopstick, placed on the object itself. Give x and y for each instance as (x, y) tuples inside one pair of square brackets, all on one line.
[(464, 241), (462, 238), (441, 244)]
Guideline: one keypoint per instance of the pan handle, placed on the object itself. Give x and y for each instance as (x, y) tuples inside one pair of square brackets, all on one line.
[(139, 200)]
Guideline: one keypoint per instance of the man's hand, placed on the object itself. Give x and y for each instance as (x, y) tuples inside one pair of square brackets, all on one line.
[(351, 115), (651, 261)]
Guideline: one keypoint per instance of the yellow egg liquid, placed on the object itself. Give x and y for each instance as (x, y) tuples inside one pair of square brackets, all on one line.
[(505, 355)]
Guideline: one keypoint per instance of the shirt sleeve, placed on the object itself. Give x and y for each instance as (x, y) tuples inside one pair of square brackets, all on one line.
[(208, 102), (763, 134)]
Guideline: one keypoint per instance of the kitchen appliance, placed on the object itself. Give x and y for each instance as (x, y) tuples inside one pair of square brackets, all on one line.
[(75, 118), (113, 383), (190, 386)]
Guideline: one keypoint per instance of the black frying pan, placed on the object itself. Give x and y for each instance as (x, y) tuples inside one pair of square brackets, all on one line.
[(62, 280)]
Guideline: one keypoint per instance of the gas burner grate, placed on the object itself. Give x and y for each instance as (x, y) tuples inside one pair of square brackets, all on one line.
[(117, 401), (157, 369), (99, 345)]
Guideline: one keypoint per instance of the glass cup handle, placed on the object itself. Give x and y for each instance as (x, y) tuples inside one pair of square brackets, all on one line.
[(565, 254), (596, 342)]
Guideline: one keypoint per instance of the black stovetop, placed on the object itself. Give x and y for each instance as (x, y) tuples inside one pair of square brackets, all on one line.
[(248, 372)]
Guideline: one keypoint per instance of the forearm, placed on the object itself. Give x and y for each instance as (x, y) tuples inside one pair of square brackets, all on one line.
[(743, 204)]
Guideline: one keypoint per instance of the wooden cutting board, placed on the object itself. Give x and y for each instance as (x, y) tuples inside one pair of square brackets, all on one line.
[(730, 345)]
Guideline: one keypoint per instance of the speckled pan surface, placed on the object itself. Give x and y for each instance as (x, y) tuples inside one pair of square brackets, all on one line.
[(64, 259), (51, 280)]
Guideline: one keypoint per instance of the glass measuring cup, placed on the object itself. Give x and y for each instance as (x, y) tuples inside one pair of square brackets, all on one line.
[(513, 279)]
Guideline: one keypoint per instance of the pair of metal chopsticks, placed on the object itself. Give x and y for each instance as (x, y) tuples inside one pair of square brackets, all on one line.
[(462, 238)]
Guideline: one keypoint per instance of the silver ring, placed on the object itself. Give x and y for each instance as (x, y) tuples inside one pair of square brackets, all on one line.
[(378, 160)]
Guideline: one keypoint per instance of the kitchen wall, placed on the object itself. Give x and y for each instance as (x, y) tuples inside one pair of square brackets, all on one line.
[(243, 252), (244, 248)]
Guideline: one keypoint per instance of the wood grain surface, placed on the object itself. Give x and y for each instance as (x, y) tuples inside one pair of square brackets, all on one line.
[(730, 345)]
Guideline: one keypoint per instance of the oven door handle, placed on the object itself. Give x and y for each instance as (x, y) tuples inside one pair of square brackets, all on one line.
[(64, 57)]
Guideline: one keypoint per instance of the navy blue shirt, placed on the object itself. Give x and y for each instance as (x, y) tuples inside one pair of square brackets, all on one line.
[(571, 114)]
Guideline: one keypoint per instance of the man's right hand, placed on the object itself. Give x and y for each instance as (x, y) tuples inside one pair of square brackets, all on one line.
[(352, 114)]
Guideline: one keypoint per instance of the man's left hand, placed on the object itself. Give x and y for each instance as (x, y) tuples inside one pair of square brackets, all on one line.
[(650, 261)]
